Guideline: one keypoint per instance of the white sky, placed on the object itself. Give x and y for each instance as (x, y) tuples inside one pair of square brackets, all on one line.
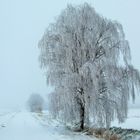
[(22, 23)]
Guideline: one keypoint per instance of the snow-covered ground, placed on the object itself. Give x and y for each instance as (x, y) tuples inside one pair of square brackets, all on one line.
[(24, 125)]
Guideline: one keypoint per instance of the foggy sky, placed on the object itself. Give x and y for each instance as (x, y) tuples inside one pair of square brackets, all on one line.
[(22, 24)]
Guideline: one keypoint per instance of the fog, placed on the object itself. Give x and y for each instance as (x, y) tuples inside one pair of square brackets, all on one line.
[(22, 24)]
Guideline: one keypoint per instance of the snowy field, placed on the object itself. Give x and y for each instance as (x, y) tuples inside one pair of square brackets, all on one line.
[(133, 120), (23, 125)]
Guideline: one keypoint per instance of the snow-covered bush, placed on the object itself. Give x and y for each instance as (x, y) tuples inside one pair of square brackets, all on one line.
[(35, 103)]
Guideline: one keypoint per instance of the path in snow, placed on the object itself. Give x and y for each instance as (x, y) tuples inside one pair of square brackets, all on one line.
[(23, 126)]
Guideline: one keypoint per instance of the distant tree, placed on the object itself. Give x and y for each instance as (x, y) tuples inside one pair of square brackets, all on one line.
[(35, 103), (88, 60)]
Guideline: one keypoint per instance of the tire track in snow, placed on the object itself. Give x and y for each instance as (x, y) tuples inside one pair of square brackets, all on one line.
[(5, 119)]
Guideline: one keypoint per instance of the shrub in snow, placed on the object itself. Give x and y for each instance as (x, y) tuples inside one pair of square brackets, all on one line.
[(103, 133)]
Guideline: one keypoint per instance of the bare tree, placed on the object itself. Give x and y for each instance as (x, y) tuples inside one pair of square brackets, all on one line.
[(88, 60), (35, 103)]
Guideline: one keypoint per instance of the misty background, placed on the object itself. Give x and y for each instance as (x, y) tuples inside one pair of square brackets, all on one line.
[(22, 24)]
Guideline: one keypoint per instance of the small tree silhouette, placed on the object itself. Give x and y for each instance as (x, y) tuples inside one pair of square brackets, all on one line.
[(35, 103)]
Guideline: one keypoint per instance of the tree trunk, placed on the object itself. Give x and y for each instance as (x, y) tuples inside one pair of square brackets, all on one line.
[(82, 117), (81, 103), (82, 109)]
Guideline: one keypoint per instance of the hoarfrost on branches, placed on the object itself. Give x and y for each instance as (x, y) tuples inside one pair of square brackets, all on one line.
[(88, 61)]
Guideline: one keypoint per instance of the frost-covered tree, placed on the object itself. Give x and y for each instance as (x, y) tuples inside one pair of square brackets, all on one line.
[(88, 61), (35, 102)]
